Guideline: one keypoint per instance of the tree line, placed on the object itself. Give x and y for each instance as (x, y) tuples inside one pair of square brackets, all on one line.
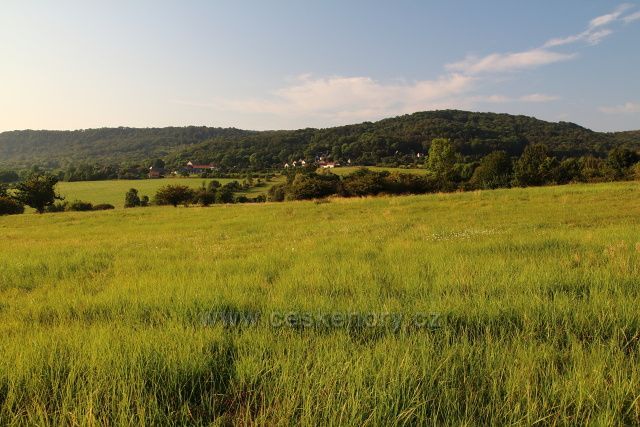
[(125, 153), (444, 171)]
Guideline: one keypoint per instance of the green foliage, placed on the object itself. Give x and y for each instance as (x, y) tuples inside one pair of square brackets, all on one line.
[(441, 160), (80, 206), (9, 206), (494, 171), (174, 195), (57, 207), (7, 176), (619, 161), (225, 194), (122, 152), (37, 191), (312, 186), (103, 207), (364, 182), (131, 199), (534, 166)]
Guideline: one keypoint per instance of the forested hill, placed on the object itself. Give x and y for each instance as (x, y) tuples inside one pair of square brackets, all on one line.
[(25, 148), (386, 141)]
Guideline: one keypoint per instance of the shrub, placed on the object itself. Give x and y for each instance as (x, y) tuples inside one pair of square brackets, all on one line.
[(494, 171), (364, 182), (276, 193), (205, 197), (131, 199), (404, 183), (8, 206), (80, 206), (224, 195), (57, 207), (312, 186), (103, 207)]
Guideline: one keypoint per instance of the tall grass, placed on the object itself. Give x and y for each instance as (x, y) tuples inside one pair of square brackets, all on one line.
[(104, 316)]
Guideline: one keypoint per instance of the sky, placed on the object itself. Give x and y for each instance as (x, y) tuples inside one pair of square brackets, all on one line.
[(292, 64)]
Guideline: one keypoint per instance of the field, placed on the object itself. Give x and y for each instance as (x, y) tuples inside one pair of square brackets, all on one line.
[(497, 307), (113, 192), (351, 169)]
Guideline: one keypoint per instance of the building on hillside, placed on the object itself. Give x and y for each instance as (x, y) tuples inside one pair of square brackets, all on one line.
[(198, 169)]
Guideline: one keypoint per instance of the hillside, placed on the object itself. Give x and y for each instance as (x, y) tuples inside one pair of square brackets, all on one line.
[(386, 141)]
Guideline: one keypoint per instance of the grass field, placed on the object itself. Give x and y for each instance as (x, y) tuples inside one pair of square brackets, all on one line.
[(113, 191), (351, 169), (128, 316)]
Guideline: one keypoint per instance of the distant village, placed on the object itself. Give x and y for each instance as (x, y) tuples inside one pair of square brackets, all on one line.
[(191, 168)]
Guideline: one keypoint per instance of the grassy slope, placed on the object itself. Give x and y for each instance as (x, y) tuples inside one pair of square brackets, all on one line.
[(113, 192), (351, 169), (101, 313)]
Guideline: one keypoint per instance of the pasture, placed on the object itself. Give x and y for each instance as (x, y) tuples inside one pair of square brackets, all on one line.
[(113, 191), (218, 315)]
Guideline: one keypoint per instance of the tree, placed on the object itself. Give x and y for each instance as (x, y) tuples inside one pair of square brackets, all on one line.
[(619, 161), (532, 168), (131, 199), (175, 195), (158, 164), (364, 182), (442, 158), (38, 191), (494, 171), (312, 186), (224, 195)]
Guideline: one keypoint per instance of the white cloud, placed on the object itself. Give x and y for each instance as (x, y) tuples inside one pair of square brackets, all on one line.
[(501, 62), (594, 33), (340, 99), (631, 18), (626, 108), (609, 17), (539, 97)]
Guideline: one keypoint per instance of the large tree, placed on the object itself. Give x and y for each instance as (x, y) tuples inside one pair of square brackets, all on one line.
[(175, 195), (38, 191), (441, 161), (494, 171)]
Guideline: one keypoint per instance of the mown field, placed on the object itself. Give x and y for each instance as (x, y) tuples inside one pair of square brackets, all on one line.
[(128, 317), (113, 191)]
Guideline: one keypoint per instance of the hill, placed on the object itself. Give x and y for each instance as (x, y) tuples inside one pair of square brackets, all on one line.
[(393, 140)]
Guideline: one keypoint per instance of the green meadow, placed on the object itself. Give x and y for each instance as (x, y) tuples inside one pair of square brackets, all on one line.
[(351, 169), (113, 191), (496, 307)]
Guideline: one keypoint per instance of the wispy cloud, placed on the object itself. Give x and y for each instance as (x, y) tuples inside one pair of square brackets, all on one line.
[(631, 18), (502, 62), (626, 108), (595, 32), (539, 97)]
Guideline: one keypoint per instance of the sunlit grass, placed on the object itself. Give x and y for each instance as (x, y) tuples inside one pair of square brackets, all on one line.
[(103, 314)]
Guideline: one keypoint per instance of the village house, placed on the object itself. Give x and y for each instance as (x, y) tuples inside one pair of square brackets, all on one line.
[(198, 169)]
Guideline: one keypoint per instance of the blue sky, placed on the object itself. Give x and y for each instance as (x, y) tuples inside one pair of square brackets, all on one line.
[(290, 64)]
